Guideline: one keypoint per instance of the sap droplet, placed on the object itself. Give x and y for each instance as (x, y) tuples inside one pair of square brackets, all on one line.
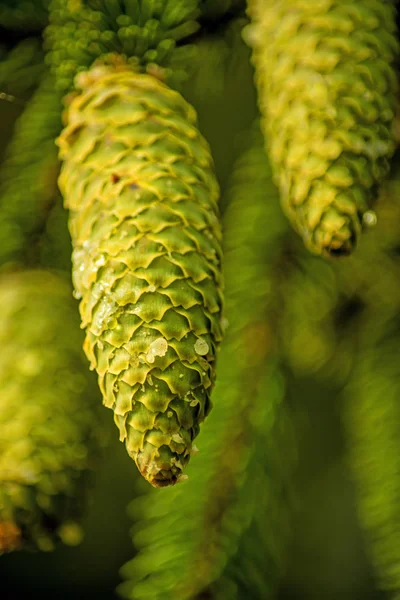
[(150, 379), (201, 347), (151, 288), (369, 218), (106, 309), (77, 294), (170, 414), (180, 376), (251, 35), (157, 348), (195, 449)]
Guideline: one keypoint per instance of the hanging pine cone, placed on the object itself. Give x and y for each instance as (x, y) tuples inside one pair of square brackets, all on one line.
[(327, 91), (138, 180), (48, 424)]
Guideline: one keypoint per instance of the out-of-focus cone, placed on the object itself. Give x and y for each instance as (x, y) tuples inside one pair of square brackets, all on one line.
[(49, 426), (327, 90)]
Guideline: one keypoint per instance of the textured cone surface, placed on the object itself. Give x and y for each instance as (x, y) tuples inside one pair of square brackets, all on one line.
[(47, 413), (327, 90), (138, 180)]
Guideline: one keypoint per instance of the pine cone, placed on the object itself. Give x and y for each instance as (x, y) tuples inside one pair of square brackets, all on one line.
[(47, 413), (138, 180), (327, 91)]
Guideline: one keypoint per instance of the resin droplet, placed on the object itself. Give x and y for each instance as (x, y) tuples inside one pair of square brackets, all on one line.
[(201, 347), (369, 218), (157, 348)]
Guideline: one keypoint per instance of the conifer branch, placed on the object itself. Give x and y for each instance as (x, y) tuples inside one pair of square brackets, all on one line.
[(28, 175), (26, 15), (187, 536), (21, 69), (372, 417)]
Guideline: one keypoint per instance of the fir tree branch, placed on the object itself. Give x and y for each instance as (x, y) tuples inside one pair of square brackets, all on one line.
[(187, 535), (22, 68), (372, 418), (28, 176), (55, 246), (27, 15)]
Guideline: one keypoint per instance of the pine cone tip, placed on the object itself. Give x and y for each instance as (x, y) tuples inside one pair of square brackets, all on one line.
[(160, 468)]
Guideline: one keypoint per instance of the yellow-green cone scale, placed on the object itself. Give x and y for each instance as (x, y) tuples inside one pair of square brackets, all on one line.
[(138, 180), (49, 427), (327, 91)]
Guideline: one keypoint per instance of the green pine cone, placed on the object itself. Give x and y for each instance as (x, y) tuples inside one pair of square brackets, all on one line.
[(327, 91), (138, 179), (48, 421)]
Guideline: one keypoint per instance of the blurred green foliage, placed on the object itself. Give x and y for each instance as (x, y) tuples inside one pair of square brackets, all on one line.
[(330, 457)]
